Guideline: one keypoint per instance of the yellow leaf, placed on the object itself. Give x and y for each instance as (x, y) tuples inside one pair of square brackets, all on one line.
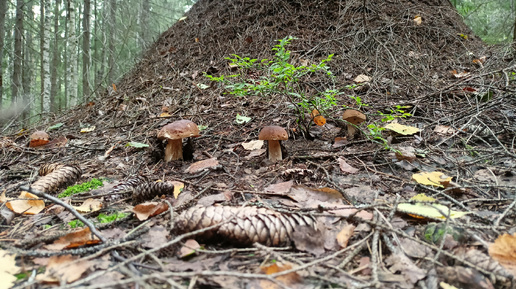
[(7, 270), (426, 210), (447, 286), (90, 205), (418, 20), (503, 250), (319, 120), (402, 129), (88, 129), (178, 188), (435, 179), (31, 206), (165, 114)]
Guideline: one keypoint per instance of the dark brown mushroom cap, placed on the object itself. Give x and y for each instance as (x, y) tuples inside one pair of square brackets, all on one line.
[(273, 132), (39, 135), (353, 116), (178, 130)]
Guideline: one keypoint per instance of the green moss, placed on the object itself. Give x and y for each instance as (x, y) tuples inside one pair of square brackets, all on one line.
[(103, 218), (75, 223), (72, 190)]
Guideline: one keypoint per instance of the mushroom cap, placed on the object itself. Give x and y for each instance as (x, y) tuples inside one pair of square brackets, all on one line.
[(353, 116), (178, 130), (39, 135), (273, 132)]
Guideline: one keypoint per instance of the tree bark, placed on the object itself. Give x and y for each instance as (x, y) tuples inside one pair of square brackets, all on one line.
[(71, 69), (45, 55), (28, 66), (3, 8), (86, 63), (16, 85), (111, 39), (54, 86)]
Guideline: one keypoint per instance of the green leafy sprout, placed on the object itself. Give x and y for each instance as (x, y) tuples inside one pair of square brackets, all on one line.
[(75, 189), (101, 218)]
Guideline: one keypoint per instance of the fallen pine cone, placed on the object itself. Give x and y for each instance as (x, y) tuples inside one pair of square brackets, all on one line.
[(242, 225), (55, 176)]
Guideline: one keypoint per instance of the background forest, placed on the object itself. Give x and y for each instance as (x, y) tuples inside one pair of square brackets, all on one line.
[(56, 54)]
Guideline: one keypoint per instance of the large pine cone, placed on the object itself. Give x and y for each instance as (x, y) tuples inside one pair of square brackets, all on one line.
[(243, 225)]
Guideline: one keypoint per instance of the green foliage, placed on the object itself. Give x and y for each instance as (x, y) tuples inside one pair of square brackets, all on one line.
[(72, 190), (270, 78), (75, 224), (103, 218)]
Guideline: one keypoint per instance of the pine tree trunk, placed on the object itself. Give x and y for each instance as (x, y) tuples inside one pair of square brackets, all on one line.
[(55, 60), (111, 39), (45, 55), (28, 66), (16, 87), (3, 8), (86, 50), (71, 69)]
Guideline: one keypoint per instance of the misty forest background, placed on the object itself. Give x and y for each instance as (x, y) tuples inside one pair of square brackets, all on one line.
[(58, 54)]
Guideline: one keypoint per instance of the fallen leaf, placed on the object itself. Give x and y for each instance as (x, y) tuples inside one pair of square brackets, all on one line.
[(189, 248), (178, 188), (344, 235), (202, 165), (66, 269), (150, 209), (340, 142), (90, 205), (418, 20), (74, 239), (362, 78), (255, 153), (7, 270), (444, 130), (155, 237), (280, 188), (428, 210), (402, 129), (401, 263), (241, 119), (252, 145), (431, 178), (289, 279), (503, 250), (447, 286), (212, 199), (88, 129), (32, 206), (345, 167)]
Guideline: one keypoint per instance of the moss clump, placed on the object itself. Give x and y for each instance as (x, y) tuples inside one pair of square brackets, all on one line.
[(72, 190)]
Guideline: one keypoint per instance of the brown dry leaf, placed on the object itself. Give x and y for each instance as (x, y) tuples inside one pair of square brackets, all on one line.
[(255, 153), (155, 237), (64, 269), (202, 165), (503, 250), (7, 269), (27, 207), (74, 239), (344, 235), (149, 209), (56, 143), (345, 167), (320, 120), (309, 239), (340, 142), (189, 248), (212, 199), (444, 130), (362, 78), (401, 263), (314, 113), (406, 153), (280, 188), (289, 279), (90, 205)]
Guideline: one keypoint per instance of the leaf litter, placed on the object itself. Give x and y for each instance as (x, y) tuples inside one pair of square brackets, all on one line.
[(465, 136)]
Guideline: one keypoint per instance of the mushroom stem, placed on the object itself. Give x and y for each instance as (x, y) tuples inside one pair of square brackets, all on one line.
[(275, 151), (351, 130), (174, 150)]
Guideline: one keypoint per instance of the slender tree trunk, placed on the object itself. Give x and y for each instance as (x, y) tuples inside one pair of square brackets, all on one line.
[(3, 8), (28, 65), (71, 68), (144, 25), (111, 39), (45, 55), (16, 85), (55, 61), (86, 63)]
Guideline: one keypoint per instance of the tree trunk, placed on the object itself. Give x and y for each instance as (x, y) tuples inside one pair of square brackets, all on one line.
[(71, 69), (3, 8), (111, 39), (144, 25), (86, 50), (28, 66), (55, 61), (16, 85), (45, 55)]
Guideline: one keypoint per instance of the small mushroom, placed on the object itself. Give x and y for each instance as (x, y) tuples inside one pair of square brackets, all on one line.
[(174, 133), (38, 138), (353, 117), (273, 135)]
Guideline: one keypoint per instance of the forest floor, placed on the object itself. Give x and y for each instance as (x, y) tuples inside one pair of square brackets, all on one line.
[(351, 192)]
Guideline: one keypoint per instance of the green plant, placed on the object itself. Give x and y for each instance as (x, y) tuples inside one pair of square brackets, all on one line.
[(75, 189), (75, 224), (103, 218), (269, 78)]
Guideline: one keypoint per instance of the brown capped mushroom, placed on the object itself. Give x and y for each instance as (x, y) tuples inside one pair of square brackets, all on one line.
[(174, 133), (353, 117), (38, 138), (273, 135)]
